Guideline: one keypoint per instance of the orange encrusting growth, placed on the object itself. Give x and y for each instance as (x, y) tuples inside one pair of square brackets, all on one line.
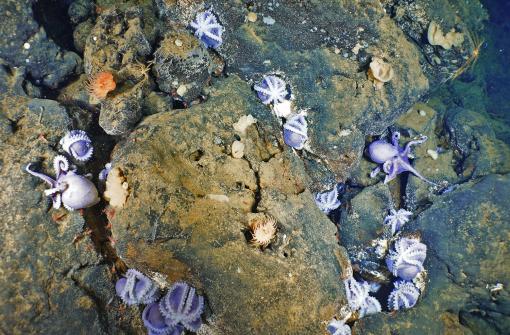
[(100, 84)]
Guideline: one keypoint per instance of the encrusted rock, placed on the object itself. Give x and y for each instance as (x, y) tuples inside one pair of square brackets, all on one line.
[(463, 231), (120, 113), (189, 213), (117, 43), (181, 65), (53, 281), (25, 43)]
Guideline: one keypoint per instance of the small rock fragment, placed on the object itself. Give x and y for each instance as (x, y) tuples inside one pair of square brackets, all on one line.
[(251, 17), (452, 38), (237, 149), (121, 113), (218, 197), (432, 153), (268, 20), (380, 72), (243, 123)]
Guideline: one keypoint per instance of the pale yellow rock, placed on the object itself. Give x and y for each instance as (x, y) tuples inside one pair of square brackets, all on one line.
[(380, 72), (433, 154), (436, 36), (218, 197), (237, 149), (181, 90), (243, 123), (252, 17), (356, 48), (117, 188)]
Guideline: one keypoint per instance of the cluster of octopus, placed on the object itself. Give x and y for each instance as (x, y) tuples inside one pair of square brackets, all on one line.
[(404, 261), (181, 308)]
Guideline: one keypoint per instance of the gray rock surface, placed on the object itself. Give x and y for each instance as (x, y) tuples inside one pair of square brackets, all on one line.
[(480, 152), (360, 224), (120, 113), (190, 201), (53, 280), (181, 65), (466, 235), (46, 62)]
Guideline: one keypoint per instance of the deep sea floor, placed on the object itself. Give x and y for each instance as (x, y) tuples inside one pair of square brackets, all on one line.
[(255, 167)]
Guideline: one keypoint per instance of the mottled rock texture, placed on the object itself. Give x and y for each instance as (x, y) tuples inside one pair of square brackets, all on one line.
[(342, 102), (188, 211), (466, 233), (51, 282), (45, 61), (181, 65)]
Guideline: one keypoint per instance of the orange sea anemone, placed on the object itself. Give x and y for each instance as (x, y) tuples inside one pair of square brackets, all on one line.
[(100, 84)]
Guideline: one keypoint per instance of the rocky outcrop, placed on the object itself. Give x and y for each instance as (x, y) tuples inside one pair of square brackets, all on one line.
[(467, 263), (190, 203), (26, 44), (53, 280)]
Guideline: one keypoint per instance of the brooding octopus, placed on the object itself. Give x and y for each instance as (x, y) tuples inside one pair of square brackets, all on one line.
[(68, 188), (393, 158)]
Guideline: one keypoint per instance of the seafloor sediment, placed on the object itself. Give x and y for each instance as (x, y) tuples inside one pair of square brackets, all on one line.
[(241, 155)]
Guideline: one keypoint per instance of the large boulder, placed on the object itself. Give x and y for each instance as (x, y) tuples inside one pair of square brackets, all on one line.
[(190, 202)]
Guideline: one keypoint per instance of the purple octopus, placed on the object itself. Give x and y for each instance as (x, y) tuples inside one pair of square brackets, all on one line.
[(155, 323), (272, 89), (404, 296), (207, 29), (338, 327), (359, 299), (295, 132), (328, 201), (181, 306), (406, 258), (397, 219), (136, 288), (68, 188), (393, 158), (77, 144)]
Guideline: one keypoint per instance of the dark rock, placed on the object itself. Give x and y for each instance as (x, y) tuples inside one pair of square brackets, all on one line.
[(80, 10), (51, 282), (465, 233), (361, 224), (81, 33), (479, 151), (181, 65), (120, 113), (157, 102), (187, 215), (46, 63)]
